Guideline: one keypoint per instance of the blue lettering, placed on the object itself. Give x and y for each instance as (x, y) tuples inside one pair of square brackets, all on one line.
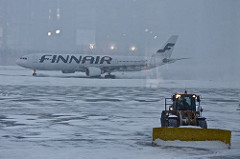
[(97, 59), (60, 57), (54, 58), (75, 59), (88, 58), (44, 57), (106, 59), (78, 60)]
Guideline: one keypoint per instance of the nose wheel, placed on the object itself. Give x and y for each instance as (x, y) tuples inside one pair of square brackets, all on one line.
[(34, 73)]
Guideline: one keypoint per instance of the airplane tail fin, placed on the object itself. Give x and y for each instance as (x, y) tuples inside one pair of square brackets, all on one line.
[(167, 50)]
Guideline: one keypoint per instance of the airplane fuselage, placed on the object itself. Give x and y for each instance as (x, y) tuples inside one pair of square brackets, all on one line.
[(95, 65), (78, 62)]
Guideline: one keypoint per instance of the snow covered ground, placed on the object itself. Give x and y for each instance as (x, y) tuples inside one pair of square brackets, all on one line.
[(66, 116)]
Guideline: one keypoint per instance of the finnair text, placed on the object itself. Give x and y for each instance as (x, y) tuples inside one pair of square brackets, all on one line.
[(76, 59)]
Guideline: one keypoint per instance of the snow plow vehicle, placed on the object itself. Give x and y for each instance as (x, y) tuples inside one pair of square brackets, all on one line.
[(182, 120)]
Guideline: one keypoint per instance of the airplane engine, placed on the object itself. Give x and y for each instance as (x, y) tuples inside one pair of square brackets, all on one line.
[(93, 71)]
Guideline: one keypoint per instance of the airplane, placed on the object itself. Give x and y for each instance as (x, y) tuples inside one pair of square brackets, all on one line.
[(96, 65)]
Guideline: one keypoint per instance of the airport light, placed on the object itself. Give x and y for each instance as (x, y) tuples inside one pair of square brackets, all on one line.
[(58, 31), (112, 47), (133, 48), (146, 30), (91, 46), (58, 16), (49, 33), (49, 12), (124, 34), (155, 37), (58, 13)]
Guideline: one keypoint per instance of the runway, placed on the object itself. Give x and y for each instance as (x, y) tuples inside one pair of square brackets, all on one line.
[(56, 116)]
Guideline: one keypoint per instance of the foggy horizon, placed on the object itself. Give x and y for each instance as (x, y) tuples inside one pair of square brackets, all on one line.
[(208, 31)]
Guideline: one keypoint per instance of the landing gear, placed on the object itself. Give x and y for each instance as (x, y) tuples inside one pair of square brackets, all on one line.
[(34, 73), (110, 76)]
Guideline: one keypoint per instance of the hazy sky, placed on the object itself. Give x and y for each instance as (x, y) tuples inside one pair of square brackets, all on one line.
[(209, 33), (209, 30)]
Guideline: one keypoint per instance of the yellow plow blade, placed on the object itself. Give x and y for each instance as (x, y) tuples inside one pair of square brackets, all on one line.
[(192, 134)]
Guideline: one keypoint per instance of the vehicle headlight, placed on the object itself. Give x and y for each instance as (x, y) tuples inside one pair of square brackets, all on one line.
[(178, 95)]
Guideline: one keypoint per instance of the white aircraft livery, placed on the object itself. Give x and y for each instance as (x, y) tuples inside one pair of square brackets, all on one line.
[(96, 65)]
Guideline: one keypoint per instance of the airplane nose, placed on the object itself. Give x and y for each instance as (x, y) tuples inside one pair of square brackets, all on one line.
[(18, 62)]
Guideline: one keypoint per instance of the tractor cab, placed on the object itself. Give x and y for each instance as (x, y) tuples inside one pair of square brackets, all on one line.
[(182, 109), (185, 102)]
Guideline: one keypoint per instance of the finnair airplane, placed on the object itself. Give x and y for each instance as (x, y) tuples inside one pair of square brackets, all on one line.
[(96, 65)]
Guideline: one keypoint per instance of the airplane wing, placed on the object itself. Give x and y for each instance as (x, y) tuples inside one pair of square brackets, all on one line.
[(123, 68), (166, 60)]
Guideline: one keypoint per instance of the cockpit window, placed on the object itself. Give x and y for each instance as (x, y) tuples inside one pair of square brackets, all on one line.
[(24, 58)]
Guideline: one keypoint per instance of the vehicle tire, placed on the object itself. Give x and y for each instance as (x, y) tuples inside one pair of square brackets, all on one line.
[(163, 119), (202, 124), (172, 123)]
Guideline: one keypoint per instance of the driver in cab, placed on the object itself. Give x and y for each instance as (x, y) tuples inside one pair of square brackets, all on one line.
[(183, 105)]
